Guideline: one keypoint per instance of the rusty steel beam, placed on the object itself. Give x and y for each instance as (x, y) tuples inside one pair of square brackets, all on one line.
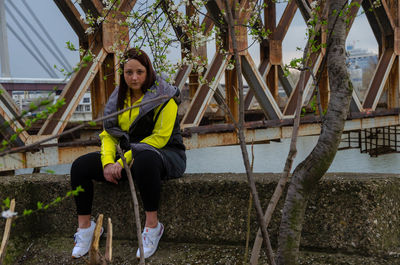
[(260, 89), (10, 122), (203, 95), (72, 15), (73, 93), (200, 137), (94, 7), (379, 79), (182, 75), (286, 85), (126, 5), (316, 59), (263, 68), (285, 21)]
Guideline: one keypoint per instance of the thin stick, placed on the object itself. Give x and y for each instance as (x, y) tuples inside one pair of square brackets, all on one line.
[(35, 144), (135, 204), (94, 255), (6, 235), (286, 172), (242, 139), (246, 252), (108, 254)]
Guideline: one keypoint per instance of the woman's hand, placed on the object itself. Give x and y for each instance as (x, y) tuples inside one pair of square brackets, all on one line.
[(112, 172)]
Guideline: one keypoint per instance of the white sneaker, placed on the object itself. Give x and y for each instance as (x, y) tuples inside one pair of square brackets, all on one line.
[(150, 239), (83, 240)]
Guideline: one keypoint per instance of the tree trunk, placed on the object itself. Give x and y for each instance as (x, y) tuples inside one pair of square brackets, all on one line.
[(308, 173)]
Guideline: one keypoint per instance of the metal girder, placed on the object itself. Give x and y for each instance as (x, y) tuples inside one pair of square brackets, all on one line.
[(205, 92), (94, 7), (316, 59), (378, 20), (53, 155), (72, 15), (73, 93), (9, 113), (355, 104), (214, 8), (261, 135), (379, 79), (182, 76), (285, 21), (260, 89), (263, 69), (126, 5), (286, 85), (46, 156)]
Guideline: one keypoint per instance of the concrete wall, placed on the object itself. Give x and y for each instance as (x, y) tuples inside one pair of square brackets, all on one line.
[(351, 213)]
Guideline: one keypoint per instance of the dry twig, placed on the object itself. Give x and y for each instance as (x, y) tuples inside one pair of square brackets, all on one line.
[(135, 204)]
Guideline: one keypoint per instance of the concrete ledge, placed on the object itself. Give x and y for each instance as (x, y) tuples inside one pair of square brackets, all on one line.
[(350, 213)]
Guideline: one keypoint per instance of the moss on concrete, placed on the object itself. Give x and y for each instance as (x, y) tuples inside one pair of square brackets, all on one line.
[(349, 213)]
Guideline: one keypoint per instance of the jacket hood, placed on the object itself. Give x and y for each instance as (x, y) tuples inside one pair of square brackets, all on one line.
[(159, 89)]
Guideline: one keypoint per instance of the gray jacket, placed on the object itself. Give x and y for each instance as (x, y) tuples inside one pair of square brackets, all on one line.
[(173, 154)]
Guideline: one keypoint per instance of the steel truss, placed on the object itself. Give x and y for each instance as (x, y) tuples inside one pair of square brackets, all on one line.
[(263, 80)]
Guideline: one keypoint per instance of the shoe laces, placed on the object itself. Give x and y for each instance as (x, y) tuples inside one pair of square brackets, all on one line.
[(148, 240)]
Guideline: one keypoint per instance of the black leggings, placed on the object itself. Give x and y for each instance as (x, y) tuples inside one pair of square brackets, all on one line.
[(147, 171)]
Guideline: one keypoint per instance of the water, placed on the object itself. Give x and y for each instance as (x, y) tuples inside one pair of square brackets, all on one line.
[(271, 158)]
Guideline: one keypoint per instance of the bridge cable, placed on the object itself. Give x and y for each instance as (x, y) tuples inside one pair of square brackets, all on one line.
[(45, 43), (51, 71), (48, 36), (31, 51)]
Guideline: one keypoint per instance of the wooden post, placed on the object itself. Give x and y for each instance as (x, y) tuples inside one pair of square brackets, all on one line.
[(94, 254), (108, 254)]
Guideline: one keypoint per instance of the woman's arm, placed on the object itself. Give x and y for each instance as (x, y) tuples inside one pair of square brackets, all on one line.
[(162, 129), (108, 149)]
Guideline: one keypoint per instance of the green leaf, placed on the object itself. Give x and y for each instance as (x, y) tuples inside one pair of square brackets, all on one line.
[(39, 205), (27, 212), (7, 202)]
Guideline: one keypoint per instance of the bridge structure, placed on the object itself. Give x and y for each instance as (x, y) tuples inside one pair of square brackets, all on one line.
[(371, 125)]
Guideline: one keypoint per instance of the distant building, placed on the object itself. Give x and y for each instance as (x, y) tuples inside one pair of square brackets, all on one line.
[(28, 91), (360, 58), (358, 61)]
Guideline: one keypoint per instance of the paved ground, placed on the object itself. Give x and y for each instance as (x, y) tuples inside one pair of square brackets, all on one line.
[(54, 251)]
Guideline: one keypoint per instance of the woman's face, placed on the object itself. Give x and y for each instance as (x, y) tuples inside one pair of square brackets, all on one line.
[(135, 74)]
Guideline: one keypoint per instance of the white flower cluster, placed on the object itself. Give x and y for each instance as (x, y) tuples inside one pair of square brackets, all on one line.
[(108, 4), (314, 4), (89, 30), (377, 3), (8, 214), (99, 20)]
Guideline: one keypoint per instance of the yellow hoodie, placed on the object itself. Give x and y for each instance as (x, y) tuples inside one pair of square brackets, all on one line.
[(159, 138)]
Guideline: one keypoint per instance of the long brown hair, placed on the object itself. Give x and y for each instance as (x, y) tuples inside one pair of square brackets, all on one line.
[(144, 59)]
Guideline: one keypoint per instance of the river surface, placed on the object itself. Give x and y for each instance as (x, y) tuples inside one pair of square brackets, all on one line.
[(271, 158)]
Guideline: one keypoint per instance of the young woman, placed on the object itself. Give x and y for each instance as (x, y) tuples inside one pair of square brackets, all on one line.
[(149, 134)]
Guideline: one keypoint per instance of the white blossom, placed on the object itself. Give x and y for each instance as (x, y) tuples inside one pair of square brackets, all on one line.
[(8, 214), (313, 4), (230, 66), (89, 30), (99, 20)]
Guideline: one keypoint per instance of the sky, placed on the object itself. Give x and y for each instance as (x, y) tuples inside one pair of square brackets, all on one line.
[(24, 65)]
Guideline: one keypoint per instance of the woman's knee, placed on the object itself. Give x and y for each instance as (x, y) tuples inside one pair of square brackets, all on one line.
[(148, 160), (85, 166)]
